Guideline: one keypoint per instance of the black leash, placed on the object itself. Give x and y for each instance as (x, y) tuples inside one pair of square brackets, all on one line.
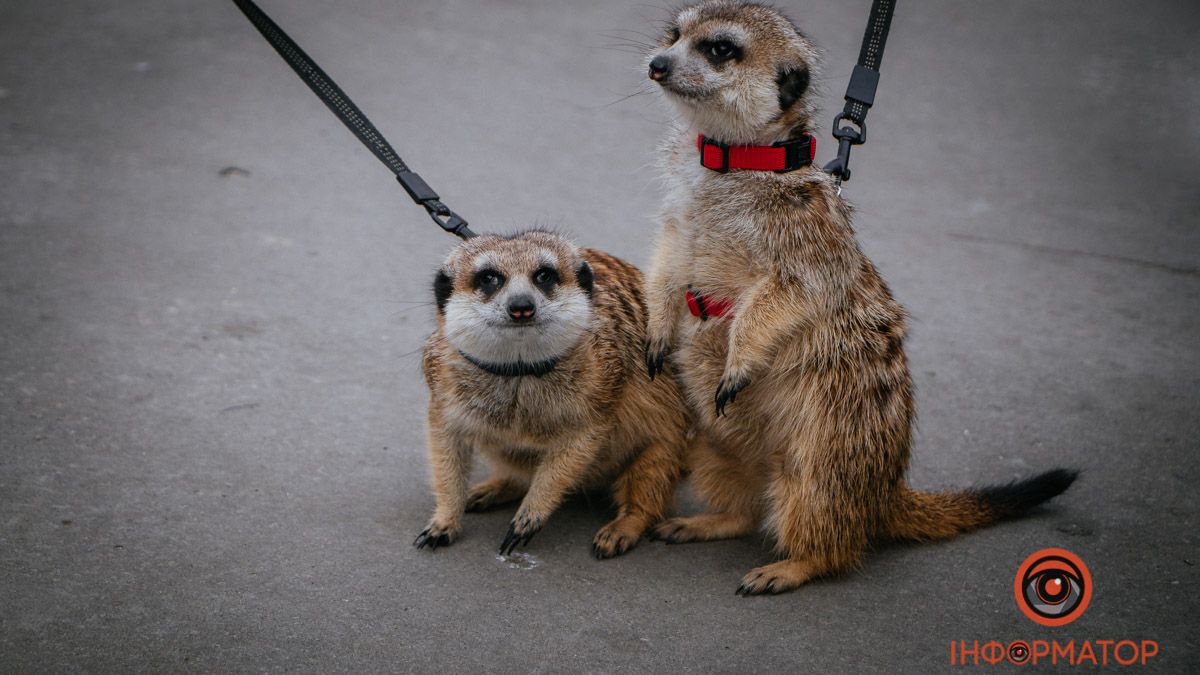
[(860, 94), (354, 119)]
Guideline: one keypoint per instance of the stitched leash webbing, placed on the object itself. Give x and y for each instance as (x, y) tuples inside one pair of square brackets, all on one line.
[(354, 119), (870, 56), (860, 94)]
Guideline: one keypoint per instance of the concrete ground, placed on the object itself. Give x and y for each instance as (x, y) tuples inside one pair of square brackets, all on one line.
[(212, 300)]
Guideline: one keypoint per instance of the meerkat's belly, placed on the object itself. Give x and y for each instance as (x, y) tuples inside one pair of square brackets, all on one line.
[(767, 414), (524, 459), (720, 260), (513, 414), (520, 425), (699, 361)]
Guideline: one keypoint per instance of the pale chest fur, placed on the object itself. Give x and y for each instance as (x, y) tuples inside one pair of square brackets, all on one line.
[(735, 228), (717, 239), (529, 411), (722, 250)]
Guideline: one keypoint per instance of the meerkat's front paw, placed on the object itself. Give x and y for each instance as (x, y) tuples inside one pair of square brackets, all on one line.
[(520, 531), (656, 356), (727, 390), (436, 535)]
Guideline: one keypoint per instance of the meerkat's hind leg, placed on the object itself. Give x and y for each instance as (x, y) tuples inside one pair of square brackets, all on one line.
[(643, 493), (732, 491), (703, 527), (820, 533), (498, 490)]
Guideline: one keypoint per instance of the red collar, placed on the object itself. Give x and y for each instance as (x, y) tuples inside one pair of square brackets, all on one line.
[(705, 306), (781, 156)]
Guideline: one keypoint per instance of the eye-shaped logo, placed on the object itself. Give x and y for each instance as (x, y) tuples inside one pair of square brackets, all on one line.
[(1053, 587)]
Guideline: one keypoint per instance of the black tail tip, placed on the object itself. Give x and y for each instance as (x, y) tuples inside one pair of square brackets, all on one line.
[(1019, 496)]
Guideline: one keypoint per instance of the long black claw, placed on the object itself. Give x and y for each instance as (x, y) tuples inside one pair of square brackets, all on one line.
[(419, 542), (512, 540), (655, 360), (431, 541), (727, 391)]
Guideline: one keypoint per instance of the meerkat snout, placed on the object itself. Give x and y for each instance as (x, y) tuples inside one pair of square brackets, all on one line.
[(660, 67), (522, 309)]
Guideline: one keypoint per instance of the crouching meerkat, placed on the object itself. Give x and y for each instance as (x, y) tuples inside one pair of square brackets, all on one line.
[(792, 354), (537, 363)]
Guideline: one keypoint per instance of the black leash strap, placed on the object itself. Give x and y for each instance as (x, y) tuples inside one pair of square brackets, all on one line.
[(860, 95), (354, 119)]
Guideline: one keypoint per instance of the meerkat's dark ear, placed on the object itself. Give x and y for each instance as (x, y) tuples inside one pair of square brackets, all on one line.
[(584, 277), (793, 82), (442, 285)]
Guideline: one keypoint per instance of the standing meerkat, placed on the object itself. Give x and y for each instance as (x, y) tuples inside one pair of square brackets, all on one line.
[(788, 318), (537, 364)]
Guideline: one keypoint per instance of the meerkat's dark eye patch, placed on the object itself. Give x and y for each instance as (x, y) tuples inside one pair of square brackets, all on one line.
[(793, 82), (488, 280), (443, 285), (672, 35), (583, 277), (719, 50), (545, 278)]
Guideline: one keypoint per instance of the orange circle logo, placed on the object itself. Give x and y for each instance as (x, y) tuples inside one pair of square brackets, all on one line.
[(1053, 587)]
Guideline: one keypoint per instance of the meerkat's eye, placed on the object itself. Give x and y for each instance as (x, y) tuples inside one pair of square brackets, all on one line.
[(673, 34), (545, 278), (488, 281), (719, 51)]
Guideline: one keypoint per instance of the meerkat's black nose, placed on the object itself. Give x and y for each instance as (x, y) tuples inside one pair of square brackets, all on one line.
[(660, 67), (521, 309)]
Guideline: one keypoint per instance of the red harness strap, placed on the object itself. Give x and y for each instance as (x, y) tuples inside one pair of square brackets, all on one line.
[(705, 307), (782, 156)]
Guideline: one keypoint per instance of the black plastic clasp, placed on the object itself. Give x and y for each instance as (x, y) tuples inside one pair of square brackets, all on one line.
[(421, 193), (797, 152), (863, 83), (847, 136), (447, 219), (724, 147), (416, 187)]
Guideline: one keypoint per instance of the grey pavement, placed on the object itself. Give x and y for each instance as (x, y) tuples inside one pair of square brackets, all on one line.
[(212, 300)]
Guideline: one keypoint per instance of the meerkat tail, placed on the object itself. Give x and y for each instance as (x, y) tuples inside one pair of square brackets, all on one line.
[(926, 516)]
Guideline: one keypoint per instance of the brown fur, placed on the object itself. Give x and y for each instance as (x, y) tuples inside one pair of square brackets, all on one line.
[(595, 421), (816, 443)]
